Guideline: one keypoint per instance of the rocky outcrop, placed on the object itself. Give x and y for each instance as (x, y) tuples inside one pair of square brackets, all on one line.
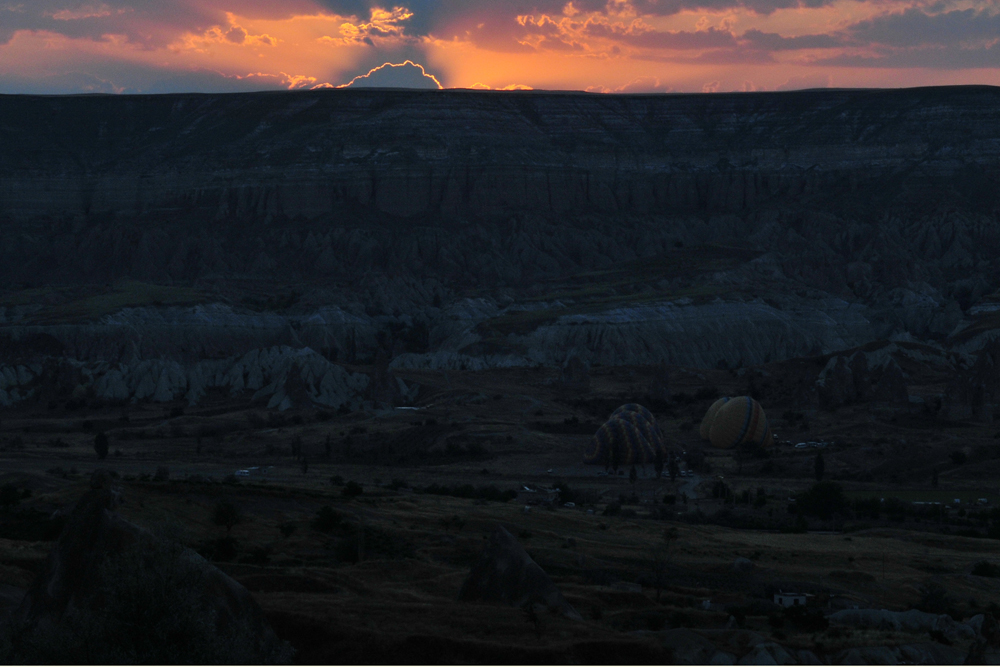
[(406, 199), (98, 566), (973, 394), (926, 653), (863, 376), (280, 376), (506, 574), (905, 621)]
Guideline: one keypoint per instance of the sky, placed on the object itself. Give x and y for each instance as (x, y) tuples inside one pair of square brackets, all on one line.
[(600, 46)]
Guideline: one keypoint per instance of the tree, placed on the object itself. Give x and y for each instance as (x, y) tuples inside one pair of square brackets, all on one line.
[(9, 497), (661, 552), (305, 465), (101, 445), (819, 466), (226, 515), (823, 500), (674, 469)]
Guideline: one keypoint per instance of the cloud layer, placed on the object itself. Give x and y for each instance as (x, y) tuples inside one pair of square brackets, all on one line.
[(66, 46)]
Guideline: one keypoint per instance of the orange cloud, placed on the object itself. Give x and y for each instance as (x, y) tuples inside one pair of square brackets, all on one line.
[(384, 24)]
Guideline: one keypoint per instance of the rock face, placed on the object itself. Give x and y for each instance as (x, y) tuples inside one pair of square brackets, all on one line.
[(863, 376), (506, 574), (388, 205), (907, 621), (974, 393), (281, 376), (90, 569)]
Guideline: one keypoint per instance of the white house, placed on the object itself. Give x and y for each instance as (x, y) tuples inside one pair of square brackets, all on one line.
[(791, 599)]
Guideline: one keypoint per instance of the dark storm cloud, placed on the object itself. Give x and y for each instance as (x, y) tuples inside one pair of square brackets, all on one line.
[(932, 58), (956, 39), (669, 7), (916, 28), (769, 41), (657, 39)]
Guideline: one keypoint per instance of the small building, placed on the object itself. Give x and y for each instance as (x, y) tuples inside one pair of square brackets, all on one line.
[(791, 599)]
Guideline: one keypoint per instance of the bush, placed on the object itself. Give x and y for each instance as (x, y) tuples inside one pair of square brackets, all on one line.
[(706, 393), (9, 497), (162, 474), (352, 489), (223, 549), (806, 619), (468, 491), (986, 569), (226, 515), (286, 528), (326, 519), (101, 445), (823, 500), (958, 457), (935, 600)]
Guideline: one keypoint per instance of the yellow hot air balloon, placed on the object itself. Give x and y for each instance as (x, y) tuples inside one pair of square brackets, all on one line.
[(706, 422), (739, 421)]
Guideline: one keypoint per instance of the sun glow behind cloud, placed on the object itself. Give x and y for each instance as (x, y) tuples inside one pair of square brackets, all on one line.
[(596, 45)]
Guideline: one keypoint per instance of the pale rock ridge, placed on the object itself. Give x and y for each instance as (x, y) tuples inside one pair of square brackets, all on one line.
[(282, 375), (906, 621)]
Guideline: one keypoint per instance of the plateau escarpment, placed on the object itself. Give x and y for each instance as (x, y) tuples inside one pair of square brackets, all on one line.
[(472, 229)]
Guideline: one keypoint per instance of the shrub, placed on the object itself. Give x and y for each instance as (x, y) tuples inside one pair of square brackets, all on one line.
[(706, 393), (823, 500), (352, 489), (9, 497), (226, 515), (326, 519), (162, 474), (286, 528), (806, 619), (101, 445), (986, 569)]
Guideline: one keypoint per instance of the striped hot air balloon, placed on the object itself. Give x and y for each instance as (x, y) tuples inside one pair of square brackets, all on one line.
[(653, 433), (706, 422), (739, 421), (619, 441)]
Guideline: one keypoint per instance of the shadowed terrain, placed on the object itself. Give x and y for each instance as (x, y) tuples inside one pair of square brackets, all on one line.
[(330, 340)]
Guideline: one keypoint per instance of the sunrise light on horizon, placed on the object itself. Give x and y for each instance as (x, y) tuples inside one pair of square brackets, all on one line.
[(159, 46)]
